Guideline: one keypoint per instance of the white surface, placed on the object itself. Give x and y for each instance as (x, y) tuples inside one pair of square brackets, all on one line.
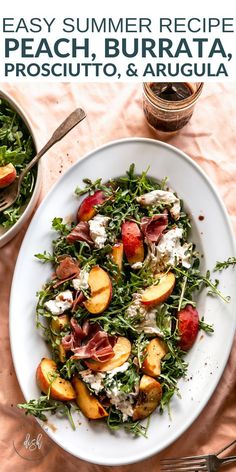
[(92, 441)]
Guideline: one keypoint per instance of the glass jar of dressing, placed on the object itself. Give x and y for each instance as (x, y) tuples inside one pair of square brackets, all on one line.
[(168, 106)]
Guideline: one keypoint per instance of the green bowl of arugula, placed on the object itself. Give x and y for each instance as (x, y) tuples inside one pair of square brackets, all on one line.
[(17, 147)]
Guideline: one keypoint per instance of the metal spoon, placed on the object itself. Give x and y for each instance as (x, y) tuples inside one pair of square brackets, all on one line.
[(9, 194)]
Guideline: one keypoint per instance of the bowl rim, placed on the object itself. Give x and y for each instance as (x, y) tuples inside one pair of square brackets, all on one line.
[(13, 230)]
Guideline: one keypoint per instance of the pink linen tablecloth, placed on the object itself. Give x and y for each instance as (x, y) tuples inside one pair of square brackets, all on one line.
[(115, 111)]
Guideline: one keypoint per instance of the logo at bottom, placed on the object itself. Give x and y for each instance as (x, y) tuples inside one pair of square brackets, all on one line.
[(30, 445)]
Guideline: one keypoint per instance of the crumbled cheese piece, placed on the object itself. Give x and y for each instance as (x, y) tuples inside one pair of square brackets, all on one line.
[(175, 210), (136, 307), (97, 226), (121, 400), (61, 303), (94, 380), (149, 324), (137, 265), (115, 371), (147, 316), (169, 252), (185, 253), (81, 283), (162, 196)]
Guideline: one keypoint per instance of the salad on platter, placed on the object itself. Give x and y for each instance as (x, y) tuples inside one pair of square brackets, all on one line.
[(119, 312)]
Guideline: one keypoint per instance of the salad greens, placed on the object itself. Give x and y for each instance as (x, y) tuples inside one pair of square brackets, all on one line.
[(231, 261), (117, 319), (38, 408), (16, 147)]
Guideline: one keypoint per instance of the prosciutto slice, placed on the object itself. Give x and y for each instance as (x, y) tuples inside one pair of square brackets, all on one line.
[(67, 268), (154, 227), (89, 342), (98, 348), (79, 298), (81, 232)]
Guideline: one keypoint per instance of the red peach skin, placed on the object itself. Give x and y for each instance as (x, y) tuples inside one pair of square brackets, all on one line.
[(188, 324), (7, 175), (86, 210), (133, 242)]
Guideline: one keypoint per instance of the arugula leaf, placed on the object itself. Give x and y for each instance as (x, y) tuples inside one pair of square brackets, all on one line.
[(231, 261), (70, 367), (127, 380), (38, 408), (115, 422), (205, 327), (90, 187), (45, 257), (139, 347), (62, 228), (137, 428), (196, 280)]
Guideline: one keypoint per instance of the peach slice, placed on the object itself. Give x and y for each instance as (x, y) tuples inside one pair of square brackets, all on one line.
[(57, 325), (7, 175), (150, 393), (61, 353), (155, 351), (122, 350), (60, 389), (188, 325), (101, 291), (87, 402), (133, 242), (156, 294), (86, 210), (117, 254)]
